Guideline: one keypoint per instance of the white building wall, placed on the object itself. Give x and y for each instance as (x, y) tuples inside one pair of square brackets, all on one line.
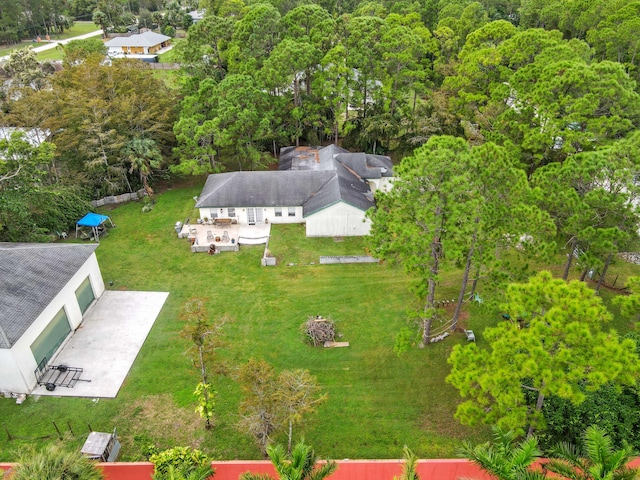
[(384, 184), (18, 362), (12, 380), (268, 214), (284, 215), (338, 220)]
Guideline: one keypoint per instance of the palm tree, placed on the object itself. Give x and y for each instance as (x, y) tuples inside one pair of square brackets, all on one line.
[(504, 458), (300, 464), (596, 460), (54, 463), (143, 155), (409, 468)]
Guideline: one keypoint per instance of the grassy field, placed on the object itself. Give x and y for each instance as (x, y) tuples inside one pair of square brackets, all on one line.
[(377, 402), (79, 28)]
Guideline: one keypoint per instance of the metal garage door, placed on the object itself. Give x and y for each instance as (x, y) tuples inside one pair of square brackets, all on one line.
[(51, 337), (85, 295)]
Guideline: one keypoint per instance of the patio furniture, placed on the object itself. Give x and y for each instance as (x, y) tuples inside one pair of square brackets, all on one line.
[(470, 335), (225, 236), (209, 236), (222, 221)]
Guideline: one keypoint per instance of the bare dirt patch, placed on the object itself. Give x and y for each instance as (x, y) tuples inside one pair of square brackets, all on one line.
[(159, 421)]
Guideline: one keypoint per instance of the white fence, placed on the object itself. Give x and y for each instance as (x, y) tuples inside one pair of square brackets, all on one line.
[(115, 199)]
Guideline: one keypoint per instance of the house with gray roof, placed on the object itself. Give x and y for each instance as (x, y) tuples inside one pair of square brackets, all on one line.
[(377, 170), (147, 43), (328, 189), (45, 289)]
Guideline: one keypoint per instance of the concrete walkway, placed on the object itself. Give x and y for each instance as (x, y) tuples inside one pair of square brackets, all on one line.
[(53, 44), (107, 342)]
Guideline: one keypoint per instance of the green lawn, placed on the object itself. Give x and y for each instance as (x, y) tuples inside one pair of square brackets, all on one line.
[(79, 28), (377, 401)]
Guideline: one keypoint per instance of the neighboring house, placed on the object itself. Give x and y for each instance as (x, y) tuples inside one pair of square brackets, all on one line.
[(45, 289), (197, 15), (147, 43), (328, 189)]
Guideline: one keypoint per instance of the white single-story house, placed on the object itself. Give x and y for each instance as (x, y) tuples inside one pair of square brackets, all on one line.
[(45, 289), (328, 189), (146, 43)]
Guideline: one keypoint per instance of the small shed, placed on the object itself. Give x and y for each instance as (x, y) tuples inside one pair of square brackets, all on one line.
[(102, 446), (96, 222)]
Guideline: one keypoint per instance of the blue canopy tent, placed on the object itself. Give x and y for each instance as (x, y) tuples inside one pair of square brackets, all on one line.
[(94, 221)]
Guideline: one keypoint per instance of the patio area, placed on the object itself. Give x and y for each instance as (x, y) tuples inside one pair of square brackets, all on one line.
[(107, 342), (224, 238)]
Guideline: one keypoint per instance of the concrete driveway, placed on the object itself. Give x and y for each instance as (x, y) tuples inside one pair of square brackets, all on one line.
[(107, 342), (41, 47)]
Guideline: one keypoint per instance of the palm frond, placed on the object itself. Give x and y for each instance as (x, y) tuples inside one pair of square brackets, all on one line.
[(254, 476)]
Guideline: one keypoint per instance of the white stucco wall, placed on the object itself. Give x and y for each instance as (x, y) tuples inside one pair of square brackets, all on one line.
[(338, 220), (384, 184), (18, 364), (268, 213)]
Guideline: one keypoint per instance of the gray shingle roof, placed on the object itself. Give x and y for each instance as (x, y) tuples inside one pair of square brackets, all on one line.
[(260, 189), (146, 39), (31, 275), (365, 165)]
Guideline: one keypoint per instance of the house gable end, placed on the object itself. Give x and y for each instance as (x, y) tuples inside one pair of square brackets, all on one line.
[(31, 275)]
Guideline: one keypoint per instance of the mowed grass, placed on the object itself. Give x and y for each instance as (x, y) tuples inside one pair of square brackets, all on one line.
[(377, 402), (78, 28)]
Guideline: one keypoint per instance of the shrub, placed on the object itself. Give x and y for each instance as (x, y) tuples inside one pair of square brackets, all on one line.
[(182, 459)]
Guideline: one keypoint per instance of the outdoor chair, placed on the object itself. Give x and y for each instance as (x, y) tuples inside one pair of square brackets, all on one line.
[(225, 236), (209, 236)]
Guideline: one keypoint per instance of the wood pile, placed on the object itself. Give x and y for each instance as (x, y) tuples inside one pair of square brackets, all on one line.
[(319, 330)]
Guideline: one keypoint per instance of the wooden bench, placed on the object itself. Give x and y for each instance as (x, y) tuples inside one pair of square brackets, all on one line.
[(335, 344), (222, 221)]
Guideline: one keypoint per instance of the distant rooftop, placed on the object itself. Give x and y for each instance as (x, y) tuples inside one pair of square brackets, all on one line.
[(146, 39), (364, 165)]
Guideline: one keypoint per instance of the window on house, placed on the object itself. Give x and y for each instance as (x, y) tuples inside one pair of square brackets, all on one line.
[(278, 211), (231, 212), (292, 211), (214, 214)]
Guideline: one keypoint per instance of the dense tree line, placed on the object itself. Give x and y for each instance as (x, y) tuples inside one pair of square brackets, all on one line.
[(384, 77), (20, 19)]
